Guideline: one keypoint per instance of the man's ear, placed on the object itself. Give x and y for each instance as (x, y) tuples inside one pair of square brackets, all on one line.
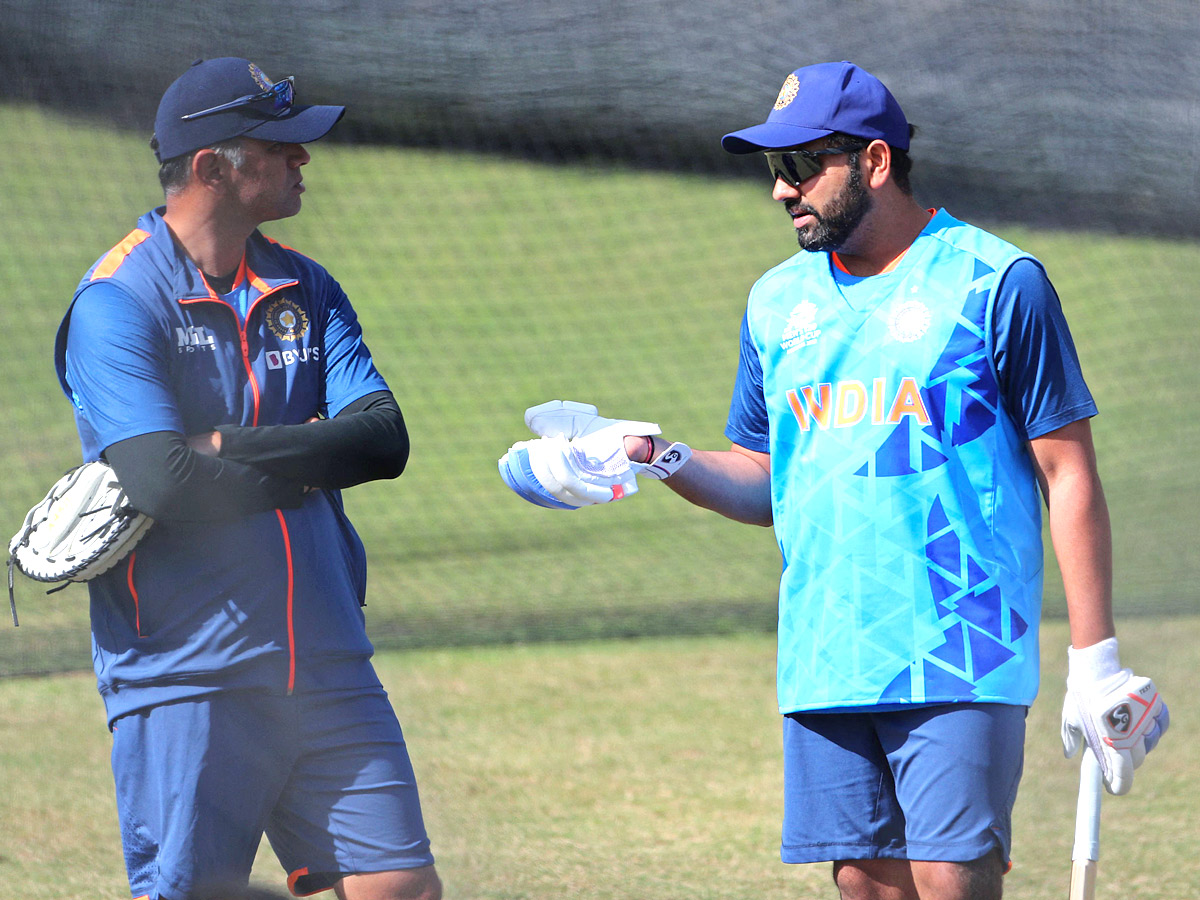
[(208, 168), (877, 162)]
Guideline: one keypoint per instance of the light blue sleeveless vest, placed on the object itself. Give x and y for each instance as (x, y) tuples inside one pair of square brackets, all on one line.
[(905, 502)]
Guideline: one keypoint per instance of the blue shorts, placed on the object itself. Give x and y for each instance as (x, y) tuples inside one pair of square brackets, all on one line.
[(922, 783), (325, 775)]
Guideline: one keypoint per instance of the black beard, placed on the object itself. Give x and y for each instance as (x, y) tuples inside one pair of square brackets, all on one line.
[(838, 223)]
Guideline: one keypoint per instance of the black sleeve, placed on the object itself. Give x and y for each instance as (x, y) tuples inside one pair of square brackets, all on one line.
[(364, 442), (167, 480)]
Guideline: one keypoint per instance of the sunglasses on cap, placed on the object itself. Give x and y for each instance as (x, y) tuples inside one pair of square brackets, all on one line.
[(281, 94), (795, 166)]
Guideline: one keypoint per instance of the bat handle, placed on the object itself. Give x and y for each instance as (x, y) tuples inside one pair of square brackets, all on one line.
[(1086, 849), (1087, 809)]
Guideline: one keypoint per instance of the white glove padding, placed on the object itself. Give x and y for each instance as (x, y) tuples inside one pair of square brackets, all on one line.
[(543, 472), (580, 459), (573, 420), (598, 444), (1119, 715), (517, 472)]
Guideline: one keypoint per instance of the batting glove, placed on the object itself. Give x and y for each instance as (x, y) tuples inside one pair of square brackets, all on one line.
[(598, 444), (579, 458), (542, 472), (1119, 715)]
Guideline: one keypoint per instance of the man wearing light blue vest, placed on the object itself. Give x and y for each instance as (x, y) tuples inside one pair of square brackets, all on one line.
[(906, 384)]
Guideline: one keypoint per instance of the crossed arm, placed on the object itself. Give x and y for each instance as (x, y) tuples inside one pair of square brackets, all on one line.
[(240, 470)]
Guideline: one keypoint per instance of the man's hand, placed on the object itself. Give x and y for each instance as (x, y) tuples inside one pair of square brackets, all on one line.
[(208, 443), (1119, 715), (580, 457), (543, 472), (598, 445)]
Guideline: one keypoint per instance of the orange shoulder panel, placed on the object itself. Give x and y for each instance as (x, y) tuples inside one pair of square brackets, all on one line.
[(112, 261), (271, 240)]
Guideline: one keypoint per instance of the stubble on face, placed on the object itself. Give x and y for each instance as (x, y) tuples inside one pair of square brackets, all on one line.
[(268, 187), (844, 213)]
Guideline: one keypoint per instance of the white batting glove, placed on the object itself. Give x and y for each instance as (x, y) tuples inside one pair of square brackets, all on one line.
[(598, 443), (1119, 715), (580, 459), (573, 420), (542, 472)]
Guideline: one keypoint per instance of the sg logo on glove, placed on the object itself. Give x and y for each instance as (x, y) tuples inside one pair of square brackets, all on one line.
[(1120, 718)]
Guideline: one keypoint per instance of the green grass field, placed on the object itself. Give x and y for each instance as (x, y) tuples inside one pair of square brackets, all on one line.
[(613, 770)]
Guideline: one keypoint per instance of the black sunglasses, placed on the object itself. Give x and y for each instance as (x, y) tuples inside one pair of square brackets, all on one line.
[(795, 166), (281, 94)]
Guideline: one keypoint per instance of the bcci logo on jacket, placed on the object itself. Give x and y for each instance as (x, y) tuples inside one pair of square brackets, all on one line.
[(286, 320)]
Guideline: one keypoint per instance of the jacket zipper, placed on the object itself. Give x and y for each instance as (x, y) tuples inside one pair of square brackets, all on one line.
[(244, 344)]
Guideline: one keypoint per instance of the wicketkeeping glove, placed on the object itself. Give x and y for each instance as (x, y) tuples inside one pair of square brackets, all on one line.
[(84, 526), (1119, 715), (579, 458)]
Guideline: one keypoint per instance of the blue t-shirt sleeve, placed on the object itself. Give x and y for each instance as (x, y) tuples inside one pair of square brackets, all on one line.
[(350, 371), (116, 367), (1040, 378), (748, 424)]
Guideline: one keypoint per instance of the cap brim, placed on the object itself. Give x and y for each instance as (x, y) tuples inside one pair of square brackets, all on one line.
[(770, 136), (301, 125)]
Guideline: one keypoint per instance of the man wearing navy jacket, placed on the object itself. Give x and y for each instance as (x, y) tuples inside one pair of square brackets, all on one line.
[(225, 379)]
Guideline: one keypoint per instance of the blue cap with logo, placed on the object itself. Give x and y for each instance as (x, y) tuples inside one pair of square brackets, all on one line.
[(229, 97), (818, 100)]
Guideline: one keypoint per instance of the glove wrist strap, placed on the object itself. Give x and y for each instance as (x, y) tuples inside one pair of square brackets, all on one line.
[(666, 463)]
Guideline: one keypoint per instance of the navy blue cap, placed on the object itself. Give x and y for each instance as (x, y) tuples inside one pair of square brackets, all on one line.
[(818, 100), (212, 82)]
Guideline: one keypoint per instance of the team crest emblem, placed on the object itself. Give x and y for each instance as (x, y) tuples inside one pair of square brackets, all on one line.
[(287, 320), (260, 77), (787, 93), (909, 321)]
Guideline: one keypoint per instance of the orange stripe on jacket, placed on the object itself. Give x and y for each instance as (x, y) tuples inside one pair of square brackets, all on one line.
[(255, 282), (137, 605), (271, 240), (291, 593), (113, 259)]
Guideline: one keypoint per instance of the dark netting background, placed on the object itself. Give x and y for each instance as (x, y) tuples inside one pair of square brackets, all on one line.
[(528, 200)]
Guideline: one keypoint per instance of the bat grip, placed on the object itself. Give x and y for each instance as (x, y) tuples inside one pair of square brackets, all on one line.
[(1087, 809)]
